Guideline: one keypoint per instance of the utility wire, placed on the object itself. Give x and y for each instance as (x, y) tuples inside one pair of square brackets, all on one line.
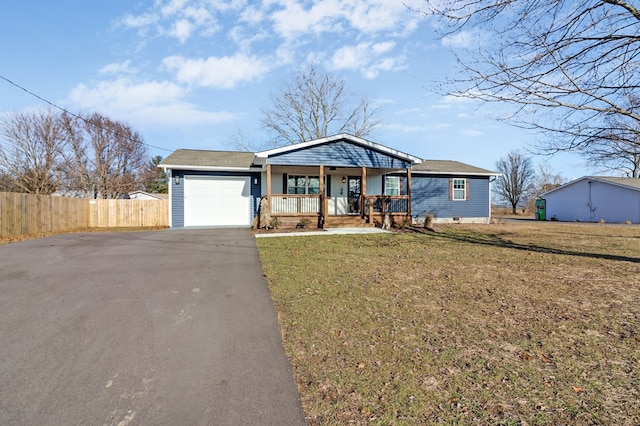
[(79, 116)]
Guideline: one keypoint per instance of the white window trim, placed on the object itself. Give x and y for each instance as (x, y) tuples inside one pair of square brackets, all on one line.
[(396, 186), (463, 189)]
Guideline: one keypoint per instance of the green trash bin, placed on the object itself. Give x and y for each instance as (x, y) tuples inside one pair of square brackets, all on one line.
[(541, 206)]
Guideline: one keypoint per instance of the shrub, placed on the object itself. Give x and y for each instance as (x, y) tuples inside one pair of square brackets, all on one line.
[(403, 224), (304, 223), (275, 223)]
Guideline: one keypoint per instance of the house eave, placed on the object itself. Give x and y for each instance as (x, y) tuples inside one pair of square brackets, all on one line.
[(212, 168), (426, 172)]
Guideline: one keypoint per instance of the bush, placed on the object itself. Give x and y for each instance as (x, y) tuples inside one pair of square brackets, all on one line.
[(275, 223), (403, 224), (304, 223)]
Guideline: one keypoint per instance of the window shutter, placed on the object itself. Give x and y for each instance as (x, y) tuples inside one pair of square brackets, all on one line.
[(466, 187), (284, 183), (451, 188), (401, 186), (327, 188), (384, 185)]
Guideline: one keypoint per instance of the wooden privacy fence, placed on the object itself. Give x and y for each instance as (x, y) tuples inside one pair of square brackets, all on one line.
[(22, 214)]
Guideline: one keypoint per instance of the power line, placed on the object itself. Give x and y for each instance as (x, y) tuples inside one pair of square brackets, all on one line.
[(77, 115)]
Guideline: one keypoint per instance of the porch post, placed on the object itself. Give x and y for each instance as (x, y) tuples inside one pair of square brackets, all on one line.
[(321, 199), (269, 185), (363, 194), (409, 192)]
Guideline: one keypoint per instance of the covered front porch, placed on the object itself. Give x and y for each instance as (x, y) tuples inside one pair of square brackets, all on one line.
[(333, 196)]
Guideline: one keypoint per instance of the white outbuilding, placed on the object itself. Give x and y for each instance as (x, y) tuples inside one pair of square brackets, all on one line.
[(595, 199)]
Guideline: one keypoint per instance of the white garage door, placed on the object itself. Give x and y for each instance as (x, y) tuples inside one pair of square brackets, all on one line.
[(217, 201)]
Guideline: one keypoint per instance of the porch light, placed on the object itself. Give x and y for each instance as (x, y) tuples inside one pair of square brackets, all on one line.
[(177, 179), (344, 179)]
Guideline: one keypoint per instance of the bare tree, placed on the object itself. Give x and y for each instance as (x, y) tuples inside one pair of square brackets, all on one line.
[(545, 179), (566, 67), (106, 157), (7, 183), (617, 146), (516, 180), (31, 155), (314, 105), (243, 141)]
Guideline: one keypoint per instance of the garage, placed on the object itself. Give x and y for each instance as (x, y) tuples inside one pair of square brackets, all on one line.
[(217, 201)]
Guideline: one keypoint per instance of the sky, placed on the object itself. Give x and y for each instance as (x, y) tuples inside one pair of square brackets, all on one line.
[(194, 73)]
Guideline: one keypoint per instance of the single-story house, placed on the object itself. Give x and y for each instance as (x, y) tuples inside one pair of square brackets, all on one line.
[(334, 181), (143, 195), (595, 199)]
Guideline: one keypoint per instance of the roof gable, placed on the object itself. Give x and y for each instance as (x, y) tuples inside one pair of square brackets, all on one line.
[(343, 149)]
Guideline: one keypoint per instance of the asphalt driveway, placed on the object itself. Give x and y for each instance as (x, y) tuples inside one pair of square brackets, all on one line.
[(170, 327)]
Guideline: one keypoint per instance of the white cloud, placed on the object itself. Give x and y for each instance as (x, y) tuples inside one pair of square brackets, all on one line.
[(366, 16), (223, 73), (366, 58), (171, 7), (293, 25), (139, 21), (404, 128), (182, 30), (123, 67), (382, 15), (180, 19), (464, 39), (473, 132), (450, 101), (160, 103)]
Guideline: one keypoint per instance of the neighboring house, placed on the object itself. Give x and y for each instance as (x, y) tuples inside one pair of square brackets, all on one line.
[(595, 198), (340, 180), (142, 195)]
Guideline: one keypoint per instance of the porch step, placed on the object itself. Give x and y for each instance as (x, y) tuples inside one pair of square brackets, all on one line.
[(346, 222)]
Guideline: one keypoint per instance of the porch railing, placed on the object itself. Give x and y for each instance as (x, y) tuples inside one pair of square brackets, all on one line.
[(386, 203), (382, 204), (292, 204)]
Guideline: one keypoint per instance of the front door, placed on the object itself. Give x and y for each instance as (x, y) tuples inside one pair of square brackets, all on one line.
[(354, 184)]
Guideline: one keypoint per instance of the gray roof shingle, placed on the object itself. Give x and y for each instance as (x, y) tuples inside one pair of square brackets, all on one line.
[(449, 166), (203, 158), (632, 182)]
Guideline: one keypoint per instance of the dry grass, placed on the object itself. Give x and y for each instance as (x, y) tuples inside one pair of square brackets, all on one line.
[(17, 238), (533, 323)]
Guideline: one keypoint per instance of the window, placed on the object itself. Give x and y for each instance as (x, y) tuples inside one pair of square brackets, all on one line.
[(459, 189), (303, 185), (392, 185)]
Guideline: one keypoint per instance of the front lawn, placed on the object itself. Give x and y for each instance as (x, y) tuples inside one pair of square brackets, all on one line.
[(533, 323)]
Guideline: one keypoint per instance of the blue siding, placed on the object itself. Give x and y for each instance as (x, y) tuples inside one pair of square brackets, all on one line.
[(177, 200), (177, 195), (431, 193), (338, 154)]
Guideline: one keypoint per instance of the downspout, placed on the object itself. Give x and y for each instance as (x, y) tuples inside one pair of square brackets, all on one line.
[(592, 210), (491, 180)]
